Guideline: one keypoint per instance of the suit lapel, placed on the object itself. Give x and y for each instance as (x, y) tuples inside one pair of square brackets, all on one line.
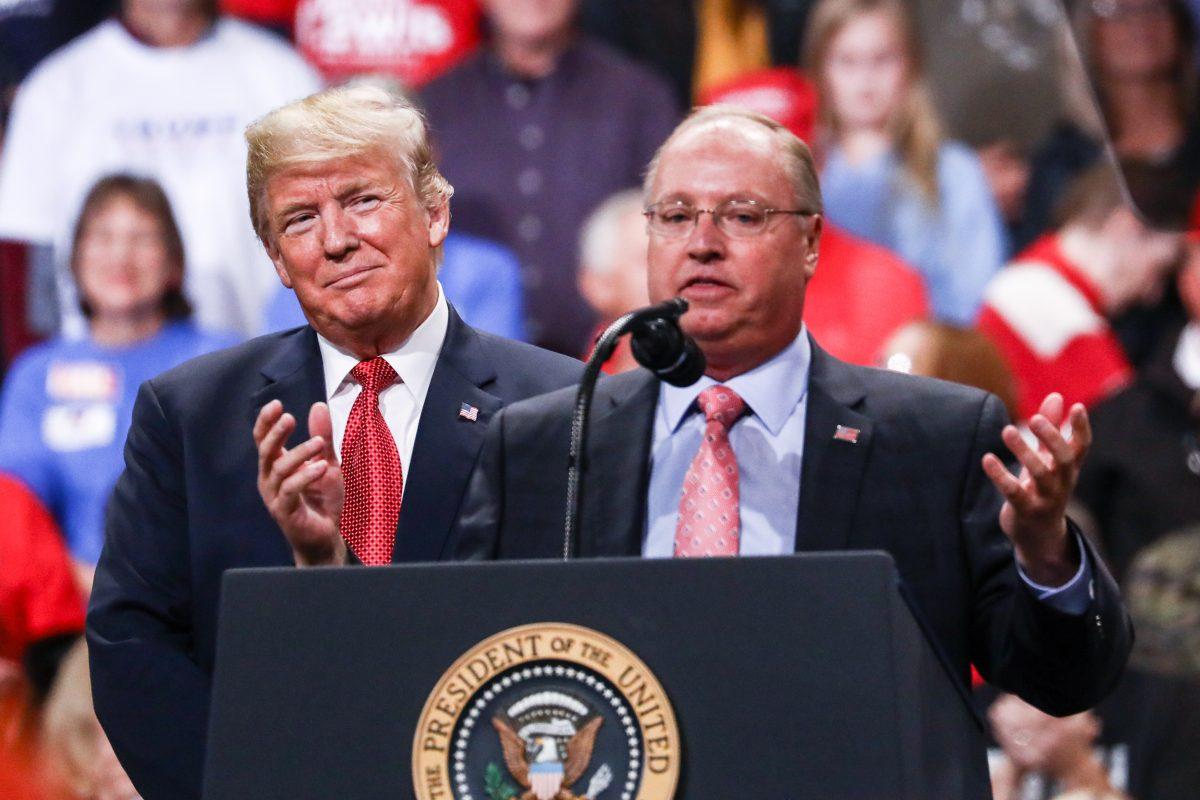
[(294, 376), (447, 444), (833, 467), (617, 470)]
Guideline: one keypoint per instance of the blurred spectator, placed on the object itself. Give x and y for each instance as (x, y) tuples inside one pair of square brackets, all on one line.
[(41, 608), (1060, 749), (412, 40), (72, 740), (783, 93), (1048, 312), (51, 748), (1149, 727), (888, 175), (481, 279), (66, 404), (31, 29), (165, 90), (534, 131), (1142, 327), (1140, 58), (41, 616), (1007, 171), (1142, 477), (612, 268), (960, 355), (700, 43), (1163, 591), (861, 293)]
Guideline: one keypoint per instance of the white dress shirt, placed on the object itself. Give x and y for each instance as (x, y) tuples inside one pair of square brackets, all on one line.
[(400, 403)]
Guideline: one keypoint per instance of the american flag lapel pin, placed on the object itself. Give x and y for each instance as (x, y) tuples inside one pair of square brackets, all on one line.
[(845, 434), (468, 412)]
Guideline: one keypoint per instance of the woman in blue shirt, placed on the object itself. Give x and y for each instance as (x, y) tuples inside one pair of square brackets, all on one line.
[(66, 404), (888, 175)]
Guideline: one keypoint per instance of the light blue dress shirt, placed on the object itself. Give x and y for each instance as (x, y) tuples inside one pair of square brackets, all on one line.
[(769, 444)]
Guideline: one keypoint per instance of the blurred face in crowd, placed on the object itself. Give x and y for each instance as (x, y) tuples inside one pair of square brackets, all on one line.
[(866, 71), (530, 20), (619, 286), (168, 23), (350, 236), (746, 295), (1141, 258), (122, 263), (1134, 38)]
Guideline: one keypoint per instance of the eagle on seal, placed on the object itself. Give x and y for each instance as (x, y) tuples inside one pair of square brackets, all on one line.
[(546, 777)]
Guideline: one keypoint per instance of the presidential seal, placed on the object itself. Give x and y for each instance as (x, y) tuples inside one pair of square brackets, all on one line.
[(548, 711)]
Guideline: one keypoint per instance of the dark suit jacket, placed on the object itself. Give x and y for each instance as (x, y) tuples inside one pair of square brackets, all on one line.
[(187, 508), (911, 485)]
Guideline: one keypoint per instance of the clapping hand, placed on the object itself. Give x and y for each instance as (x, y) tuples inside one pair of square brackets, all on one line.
[(302, 487)]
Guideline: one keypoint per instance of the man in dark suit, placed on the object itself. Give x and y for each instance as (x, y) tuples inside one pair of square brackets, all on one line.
[(397, 390), (782, 448)]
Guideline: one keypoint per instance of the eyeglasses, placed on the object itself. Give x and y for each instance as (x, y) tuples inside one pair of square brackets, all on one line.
[(740, 219)]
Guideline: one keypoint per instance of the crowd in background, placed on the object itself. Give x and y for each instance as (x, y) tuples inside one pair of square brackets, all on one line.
[(1021, 267)]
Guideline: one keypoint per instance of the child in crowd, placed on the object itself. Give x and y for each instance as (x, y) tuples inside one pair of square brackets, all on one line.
[(888, 175)]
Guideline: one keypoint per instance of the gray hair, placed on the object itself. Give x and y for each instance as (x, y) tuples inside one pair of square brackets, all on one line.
[(603, 227), (341, 122), (802, 169)]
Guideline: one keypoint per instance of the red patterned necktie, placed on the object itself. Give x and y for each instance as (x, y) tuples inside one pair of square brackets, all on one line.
[(708, 510), (371, 469)]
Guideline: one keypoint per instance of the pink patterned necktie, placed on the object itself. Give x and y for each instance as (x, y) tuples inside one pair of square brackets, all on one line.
[(371, 469), (708, 510)]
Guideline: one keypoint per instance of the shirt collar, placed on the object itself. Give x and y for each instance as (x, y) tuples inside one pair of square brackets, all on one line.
[(414, 360), (772, 390)]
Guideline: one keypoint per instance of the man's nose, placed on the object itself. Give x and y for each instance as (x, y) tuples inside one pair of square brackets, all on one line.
[(706, 242), (341, 234)]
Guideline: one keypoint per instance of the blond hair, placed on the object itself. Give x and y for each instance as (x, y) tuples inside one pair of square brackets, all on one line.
[(341, 122), (802, 170), (914, 127)]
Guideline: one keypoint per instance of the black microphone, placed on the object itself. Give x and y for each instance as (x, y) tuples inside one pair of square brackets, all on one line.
[(662, 347)]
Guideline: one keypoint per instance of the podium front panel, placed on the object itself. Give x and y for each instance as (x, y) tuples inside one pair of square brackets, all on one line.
[(792, 677)]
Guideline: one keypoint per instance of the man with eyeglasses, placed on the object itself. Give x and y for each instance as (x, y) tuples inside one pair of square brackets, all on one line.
[(781, 448)]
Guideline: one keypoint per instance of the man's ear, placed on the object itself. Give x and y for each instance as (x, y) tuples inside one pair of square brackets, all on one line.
[(277, 262), (816, 225), (439, 222)]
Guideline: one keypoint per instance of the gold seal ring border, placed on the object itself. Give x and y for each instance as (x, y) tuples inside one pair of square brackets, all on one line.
[(653, 787)]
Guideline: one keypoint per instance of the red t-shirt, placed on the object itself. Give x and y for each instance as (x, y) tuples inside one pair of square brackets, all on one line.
[(412, 40), (38, 594), (1046, 319), (860, 295)]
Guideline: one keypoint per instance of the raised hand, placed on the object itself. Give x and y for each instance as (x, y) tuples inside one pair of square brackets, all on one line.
[(302, 487), (1035, 502)]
